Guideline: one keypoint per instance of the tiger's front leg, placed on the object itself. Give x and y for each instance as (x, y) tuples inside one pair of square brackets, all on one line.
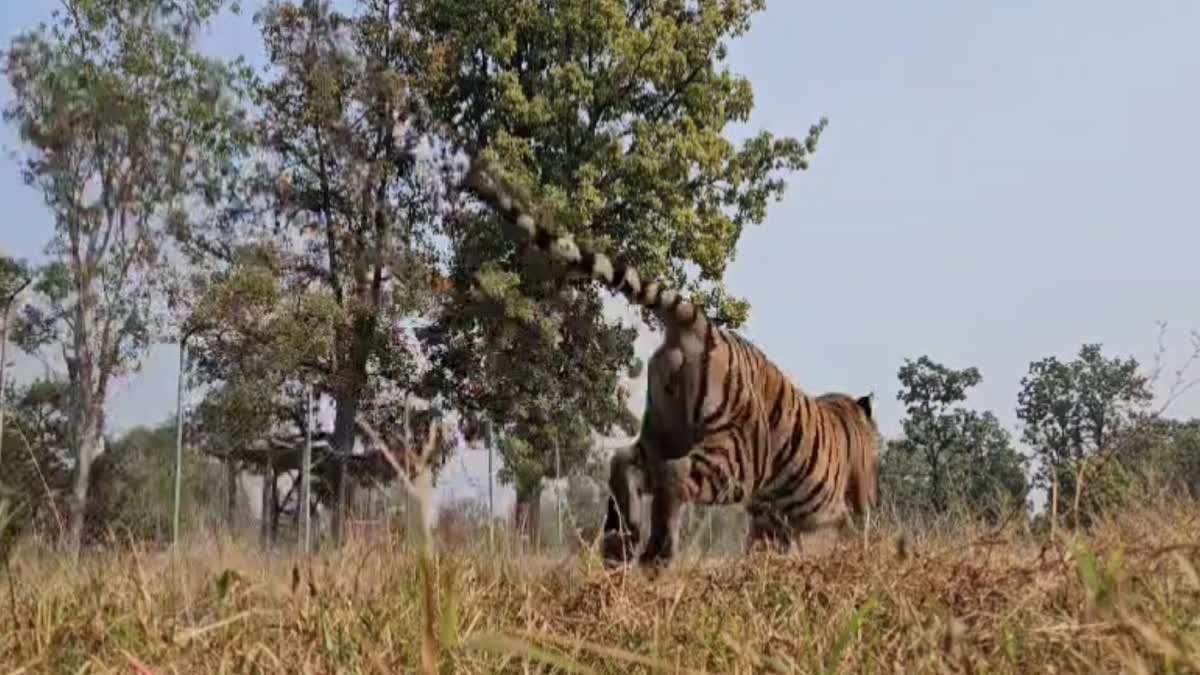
[(622, 521), (667, 496)]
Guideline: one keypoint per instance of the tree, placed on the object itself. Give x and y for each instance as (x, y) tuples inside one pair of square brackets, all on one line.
[(260, 343), (992, 471), (612, 116), (903, 480), (117, 114), (528, 453), (255, 341), (35, 471), (933, 427), (341, 211), (1072, 411), (235, 414), (967, 458), (133, 488), (1169, 447)]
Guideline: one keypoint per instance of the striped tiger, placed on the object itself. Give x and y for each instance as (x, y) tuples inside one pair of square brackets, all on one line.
[(722, 424)]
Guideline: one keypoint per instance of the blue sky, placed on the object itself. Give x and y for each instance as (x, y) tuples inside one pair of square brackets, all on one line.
[(999, 182)]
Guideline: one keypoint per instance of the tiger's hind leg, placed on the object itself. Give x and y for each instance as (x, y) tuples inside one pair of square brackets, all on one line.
[(623, 518), (834, 520), (704, 476)]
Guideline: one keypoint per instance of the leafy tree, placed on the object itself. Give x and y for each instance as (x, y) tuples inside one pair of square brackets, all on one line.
[(612, 116), (14, 277), (340, 214), (41, 417), (134, 488), (966, 456), (117, 114), (233, 415), (262, 338), (529, 458), (255, 338), (1073, 410), (1164, 448), (254, 342), (35, 471)]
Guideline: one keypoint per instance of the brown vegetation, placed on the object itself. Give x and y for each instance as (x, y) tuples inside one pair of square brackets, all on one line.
[(1123, 597)]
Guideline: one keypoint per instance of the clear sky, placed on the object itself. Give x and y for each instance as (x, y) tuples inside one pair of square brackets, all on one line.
[(999, 182)]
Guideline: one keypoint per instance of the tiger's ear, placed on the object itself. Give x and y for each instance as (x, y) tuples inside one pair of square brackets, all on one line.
[(865, 402)]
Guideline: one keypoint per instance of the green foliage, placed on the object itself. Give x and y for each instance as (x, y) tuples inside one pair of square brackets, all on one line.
[(903, 480), (14, 277), (249, 323), (39, 416), (616, 112), (118, 116), (239, 411), (612, 116), (1074, 410), (950, 456)]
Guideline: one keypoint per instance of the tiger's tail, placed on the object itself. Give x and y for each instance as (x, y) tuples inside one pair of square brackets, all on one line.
[(667, 304)]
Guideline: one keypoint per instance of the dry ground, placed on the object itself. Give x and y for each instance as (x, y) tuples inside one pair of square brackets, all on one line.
[(1124, 598)]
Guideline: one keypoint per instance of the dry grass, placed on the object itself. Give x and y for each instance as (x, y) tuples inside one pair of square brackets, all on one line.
[(1125, 598)]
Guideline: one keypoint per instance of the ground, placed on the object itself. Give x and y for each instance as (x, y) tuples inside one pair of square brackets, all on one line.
[(1124, 597)]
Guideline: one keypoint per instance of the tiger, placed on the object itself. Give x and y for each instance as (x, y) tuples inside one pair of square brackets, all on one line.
[(722, 424)]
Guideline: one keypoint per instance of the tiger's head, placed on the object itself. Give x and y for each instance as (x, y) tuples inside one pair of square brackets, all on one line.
[(865, 457), (863, 487)]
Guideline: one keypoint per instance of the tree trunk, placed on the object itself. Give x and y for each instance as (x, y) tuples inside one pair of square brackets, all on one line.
[(937, 496), (90, 435), (231, 495), (3, 357), (527, 514), (342, 444), (86, 406), (268, 505), (276, 507), (350, 379)]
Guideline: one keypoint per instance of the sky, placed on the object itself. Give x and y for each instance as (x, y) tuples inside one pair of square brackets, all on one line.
[(999, 182)]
